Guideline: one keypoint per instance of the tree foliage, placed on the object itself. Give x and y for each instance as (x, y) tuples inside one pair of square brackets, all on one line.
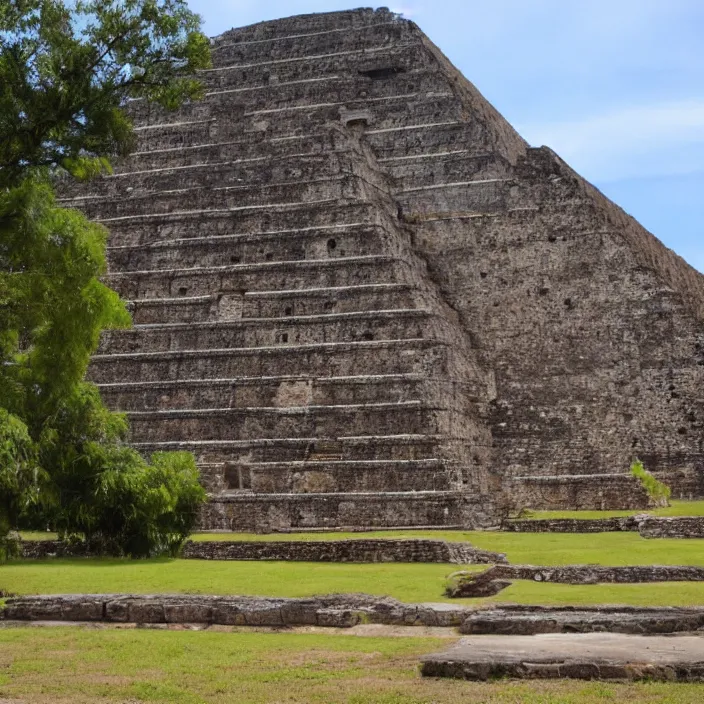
[(66, 72), (68, 68), (656, 490)]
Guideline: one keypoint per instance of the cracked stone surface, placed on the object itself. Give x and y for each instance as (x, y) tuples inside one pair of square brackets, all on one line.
[(335, 610), (531, 620), (603, 656)]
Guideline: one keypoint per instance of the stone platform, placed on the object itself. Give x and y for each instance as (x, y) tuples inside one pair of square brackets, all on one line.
[(332, 611), (361, 550), (525, 620), (589, 656)]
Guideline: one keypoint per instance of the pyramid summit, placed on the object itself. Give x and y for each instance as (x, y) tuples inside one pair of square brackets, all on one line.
[(361, 299)]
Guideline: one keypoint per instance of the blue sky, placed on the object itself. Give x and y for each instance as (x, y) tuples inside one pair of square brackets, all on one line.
[(616, 87)]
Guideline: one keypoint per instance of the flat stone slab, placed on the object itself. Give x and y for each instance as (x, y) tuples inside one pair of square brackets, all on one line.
[(588, 656), (331, 611), (520, 620)]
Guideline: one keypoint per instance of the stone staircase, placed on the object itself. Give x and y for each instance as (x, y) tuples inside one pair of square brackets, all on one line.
[(362, 300), (285, 330)]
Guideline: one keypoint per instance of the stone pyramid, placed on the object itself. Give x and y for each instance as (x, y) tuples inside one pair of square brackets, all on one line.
[(362, 300)]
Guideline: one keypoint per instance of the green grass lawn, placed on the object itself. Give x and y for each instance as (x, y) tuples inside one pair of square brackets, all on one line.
[(417, 582), (77, 666), (407, 582)]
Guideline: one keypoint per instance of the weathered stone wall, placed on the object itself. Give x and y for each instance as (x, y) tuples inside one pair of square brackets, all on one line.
[(410, 550), (572, 525), (496, 578), (578, 322), (362, 550), (345, 611), (681, 527), (338, 610), (363, 300), (602, 492), (522, 620), (647, 526), (42, 549)]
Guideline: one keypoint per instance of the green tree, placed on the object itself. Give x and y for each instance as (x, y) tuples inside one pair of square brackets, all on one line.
[(19, 476), (67, 71)]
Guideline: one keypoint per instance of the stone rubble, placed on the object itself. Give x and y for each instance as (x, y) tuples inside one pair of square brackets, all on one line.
[(493, 580)]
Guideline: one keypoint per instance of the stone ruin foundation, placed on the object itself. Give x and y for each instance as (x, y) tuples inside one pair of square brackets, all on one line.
[(362, 300)]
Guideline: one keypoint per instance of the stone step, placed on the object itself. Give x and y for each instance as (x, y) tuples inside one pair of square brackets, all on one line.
[(224, 88), (346, 85), (389, 144), (276, 304), (440, 200), (277, 221), (350, 38), (336, 611), (330, 477), (338, 187), (239, 180), (305, 26), (339, 299), (265, 332), (177, 133), (418, 137), (590, 656), (355, 240), (307, 421), (217, 175), (274, 391), (527, 620), (326, 359), (434, 169), (216, 453), (351, 447), (393, 111), (251, 85), (235, 280), (267, 512), (254, 146)]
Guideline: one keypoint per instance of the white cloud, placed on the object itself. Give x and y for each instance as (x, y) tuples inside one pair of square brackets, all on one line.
[(649, 140)]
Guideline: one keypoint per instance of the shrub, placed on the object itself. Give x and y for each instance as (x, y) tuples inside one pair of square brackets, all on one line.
[(19, 478), (139, 509), (656, 490)]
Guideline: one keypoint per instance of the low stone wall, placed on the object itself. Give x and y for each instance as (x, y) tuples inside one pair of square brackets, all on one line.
[(339, 611), (647, 526), (580, 492), (531, 620), (496, 578), (42, 549), (362, 550), (572, 525), (681, 527), (597, 574), (346, 611)]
